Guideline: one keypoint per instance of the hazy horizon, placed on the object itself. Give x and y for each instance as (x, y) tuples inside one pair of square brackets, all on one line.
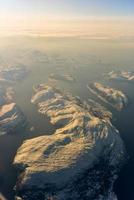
[(67, 18)]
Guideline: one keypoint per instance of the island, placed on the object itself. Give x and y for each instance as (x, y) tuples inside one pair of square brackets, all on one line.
[(80, 160), (61, 77), (11, 117), (11, 74), (114, 97), (122, 76)]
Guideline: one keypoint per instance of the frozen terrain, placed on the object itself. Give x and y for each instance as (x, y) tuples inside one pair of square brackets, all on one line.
[(62, 77), (11, 117), (79, 161), (12, 74), (122, 75), (114, 97)]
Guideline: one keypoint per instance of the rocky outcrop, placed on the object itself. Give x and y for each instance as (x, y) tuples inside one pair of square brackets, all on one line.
[(114, 97), (12, 74), (98, 110), (11, 118), (79, 161), (2, 197), (121, 76), (6, 95), (62, 77)]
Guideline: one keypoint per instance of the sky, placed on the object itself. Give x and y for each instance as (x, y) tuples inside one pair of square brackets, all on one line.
[(37, 13), (68, 8)]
